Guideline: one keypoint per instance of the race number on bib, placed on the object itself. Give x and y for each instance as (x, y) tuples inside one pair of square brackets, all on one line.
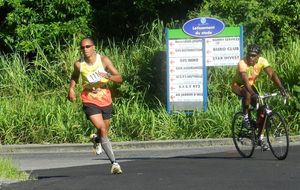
[(95, 76)]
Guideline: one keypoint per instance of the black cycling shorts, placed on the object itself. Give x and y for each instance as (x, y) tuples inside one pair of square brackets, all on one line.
[(253, 101), (92, 109)]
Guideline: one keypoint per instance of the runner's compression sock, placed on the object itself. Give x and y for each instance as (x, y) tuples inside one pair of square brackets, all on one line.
[(106, 145)]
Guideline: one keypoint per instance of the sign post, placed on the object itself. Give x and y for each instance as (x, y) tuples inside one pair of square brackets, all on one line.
[(200, 43)]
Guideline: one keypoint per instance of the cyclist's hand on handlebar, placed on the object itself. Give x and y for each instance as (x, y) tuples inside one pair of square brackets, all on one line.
[(254, 96), (284, 92), (254, 100)]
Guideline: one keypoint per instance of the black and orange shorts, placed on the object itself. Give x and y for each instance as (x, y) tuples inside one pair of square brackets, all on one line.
[(92, 109)]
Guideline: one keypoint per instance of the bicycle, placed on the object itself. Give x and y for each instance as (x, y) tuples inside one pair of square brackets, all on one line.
[(246, 139)]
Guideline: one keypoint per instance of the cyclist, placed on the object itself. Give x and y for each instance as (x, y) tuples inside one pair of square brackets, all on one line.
[(248, 70)]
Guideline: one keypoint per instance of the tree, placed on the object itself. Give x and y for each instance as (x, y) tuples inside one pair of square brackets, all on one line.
[(121, 19), (265, 22), (27, 24)]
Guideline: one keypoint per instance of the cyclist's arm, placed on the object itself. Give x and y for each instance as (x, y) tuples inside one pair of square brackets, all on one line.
[(246, 82), (242, 68), (273, 76)]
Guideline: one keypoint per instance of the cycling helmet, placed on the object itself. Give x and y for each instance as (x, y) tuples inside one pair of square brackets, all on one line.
[(254, 49)]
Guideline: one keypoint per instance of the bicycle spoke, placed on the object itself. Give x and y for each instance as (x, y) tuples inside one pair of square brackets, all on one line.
[(277, 134), (242, 136)]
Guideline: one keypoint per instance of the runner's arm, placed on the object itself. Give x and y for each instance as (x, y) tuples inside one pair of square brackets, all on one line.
[(74, 79), (113, 73)]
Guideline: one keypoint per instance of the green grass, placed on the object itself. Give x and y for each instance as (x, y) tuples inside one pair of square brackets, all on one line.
[(9, 171), (34, 108)]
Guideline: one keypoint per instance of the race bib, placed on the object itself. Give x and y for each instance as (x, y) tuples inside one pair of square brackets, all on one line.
[(95, 76)]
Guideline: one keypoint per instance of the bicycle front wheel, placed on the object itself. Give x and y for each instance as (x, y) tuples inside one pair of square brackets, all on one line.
[(277, 136), (243, 137)]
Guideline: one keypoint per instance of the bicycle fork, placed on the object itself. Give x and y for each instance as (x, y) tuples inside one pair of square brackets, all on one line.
[(260, 135)]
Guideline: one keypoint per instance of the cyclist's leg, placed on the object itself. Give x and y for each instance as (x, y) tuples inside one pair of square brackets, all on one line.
[(260, 117), (245, 95), (259, 113), (238, 90), (246, 100)]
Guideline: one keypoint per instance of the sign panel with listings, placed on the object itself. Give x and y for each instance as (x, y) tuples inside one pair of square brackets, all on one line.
[(201, 43), (222, 51), (185, 73)]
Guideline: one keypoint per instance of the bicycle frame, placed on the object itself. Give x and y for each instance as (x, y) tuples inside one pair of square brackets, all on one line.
[(265, 109), (246, 139), (262, 104)]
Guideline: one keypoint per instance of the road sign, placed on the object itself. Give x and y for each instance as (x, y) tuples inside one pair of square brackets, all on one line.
[(188, 56), (203, 27)]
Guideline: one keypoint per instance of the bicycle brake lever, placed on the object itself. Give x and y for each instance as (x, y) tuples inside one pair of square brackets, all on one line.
[(285, 100)]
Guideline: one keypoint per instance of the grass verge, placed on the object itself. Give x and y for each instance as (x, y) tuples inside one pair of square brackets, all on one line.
[(9, 171)]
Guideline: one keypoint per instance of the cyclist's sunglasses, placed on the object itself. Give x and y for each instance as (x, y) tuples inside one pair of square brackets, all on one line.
[(252, 54), (87, 47)]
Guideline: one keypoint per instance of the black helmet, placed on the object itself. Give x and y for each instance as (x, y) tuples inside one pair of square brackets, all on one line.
[(254, 49)]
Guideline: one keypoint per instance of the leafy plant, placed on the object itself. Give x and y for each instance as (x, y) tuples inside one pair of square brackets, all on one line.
[(265, 22), (34, 108), (30, 24), (8, 170)]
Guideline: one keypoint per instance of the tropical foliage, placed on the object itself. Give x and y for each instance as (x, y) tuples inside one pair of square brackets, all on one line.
[(33, 105)]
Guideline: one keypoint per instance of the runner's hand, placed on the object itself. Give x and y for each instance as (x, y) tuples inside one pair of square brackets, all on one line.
[(71, 95)]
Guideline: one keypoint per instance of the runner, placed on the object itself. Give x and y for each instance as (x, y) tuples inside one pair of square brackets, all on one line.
[(96, 71)]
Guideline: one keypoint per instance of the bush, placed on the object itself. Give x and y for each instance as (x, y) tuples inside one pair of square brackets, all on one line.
[(265, 22), (30, 24)]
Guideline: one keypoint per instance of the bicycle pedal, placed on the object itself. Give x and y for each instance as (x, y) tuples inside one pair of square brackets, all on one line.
[(264, 148)]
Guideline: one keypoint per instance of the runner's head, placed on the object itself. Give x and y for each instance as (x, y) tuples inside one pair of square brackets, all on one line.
[(87, 46)]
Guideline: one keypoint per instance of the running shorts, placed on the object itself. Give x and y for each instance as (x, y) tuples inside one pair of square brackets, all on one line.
[(92, 109)]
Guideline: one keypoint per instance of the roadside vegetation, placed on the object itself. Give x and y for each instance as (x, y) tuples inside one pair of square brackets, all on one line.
[(34, 108), (9, 171), (39, 46)]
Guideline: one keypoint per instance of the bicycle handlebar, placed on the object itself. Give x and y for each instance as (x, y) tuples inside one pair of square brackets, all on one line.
[(267, 95)]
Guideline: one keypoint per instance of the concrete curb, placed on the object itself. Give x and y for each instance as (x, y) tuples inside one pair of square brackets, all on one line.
[(131, 145)]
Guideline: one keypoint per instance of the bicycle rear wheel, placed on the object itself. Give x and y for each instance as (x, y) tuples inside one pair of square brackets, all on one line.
[(277, 136), (243, 138)]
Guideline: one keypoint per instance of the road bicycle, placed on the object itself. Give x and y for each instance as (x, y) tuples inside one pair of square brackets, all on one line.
[(245, 138)]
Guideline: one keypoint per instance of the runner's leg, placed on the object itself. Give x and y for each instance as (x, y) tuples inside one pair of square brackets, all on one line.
[(103, 128)]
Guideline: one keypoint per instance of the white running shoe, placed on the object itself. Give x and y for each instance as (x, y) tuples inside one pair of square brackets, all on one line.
[(97, 149), (116, 168)]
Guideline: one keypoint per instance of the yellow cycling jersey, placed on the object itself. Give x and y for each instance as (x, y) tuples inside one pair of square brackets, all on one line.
[(252, 71)]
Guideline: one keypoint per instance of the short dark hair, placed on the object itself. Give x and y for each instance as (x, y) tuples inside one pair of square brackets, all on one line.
[(88, 38)]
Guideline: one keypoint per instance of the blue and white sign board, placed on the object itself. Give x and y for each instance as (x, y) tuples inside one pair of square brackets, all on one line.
[(185, 74), (200, 43), (203, 27), (222, 51)]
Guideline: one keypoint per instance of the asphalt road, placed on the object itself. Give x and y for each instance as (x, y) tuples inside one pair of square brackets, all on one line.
[(188, 169)]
